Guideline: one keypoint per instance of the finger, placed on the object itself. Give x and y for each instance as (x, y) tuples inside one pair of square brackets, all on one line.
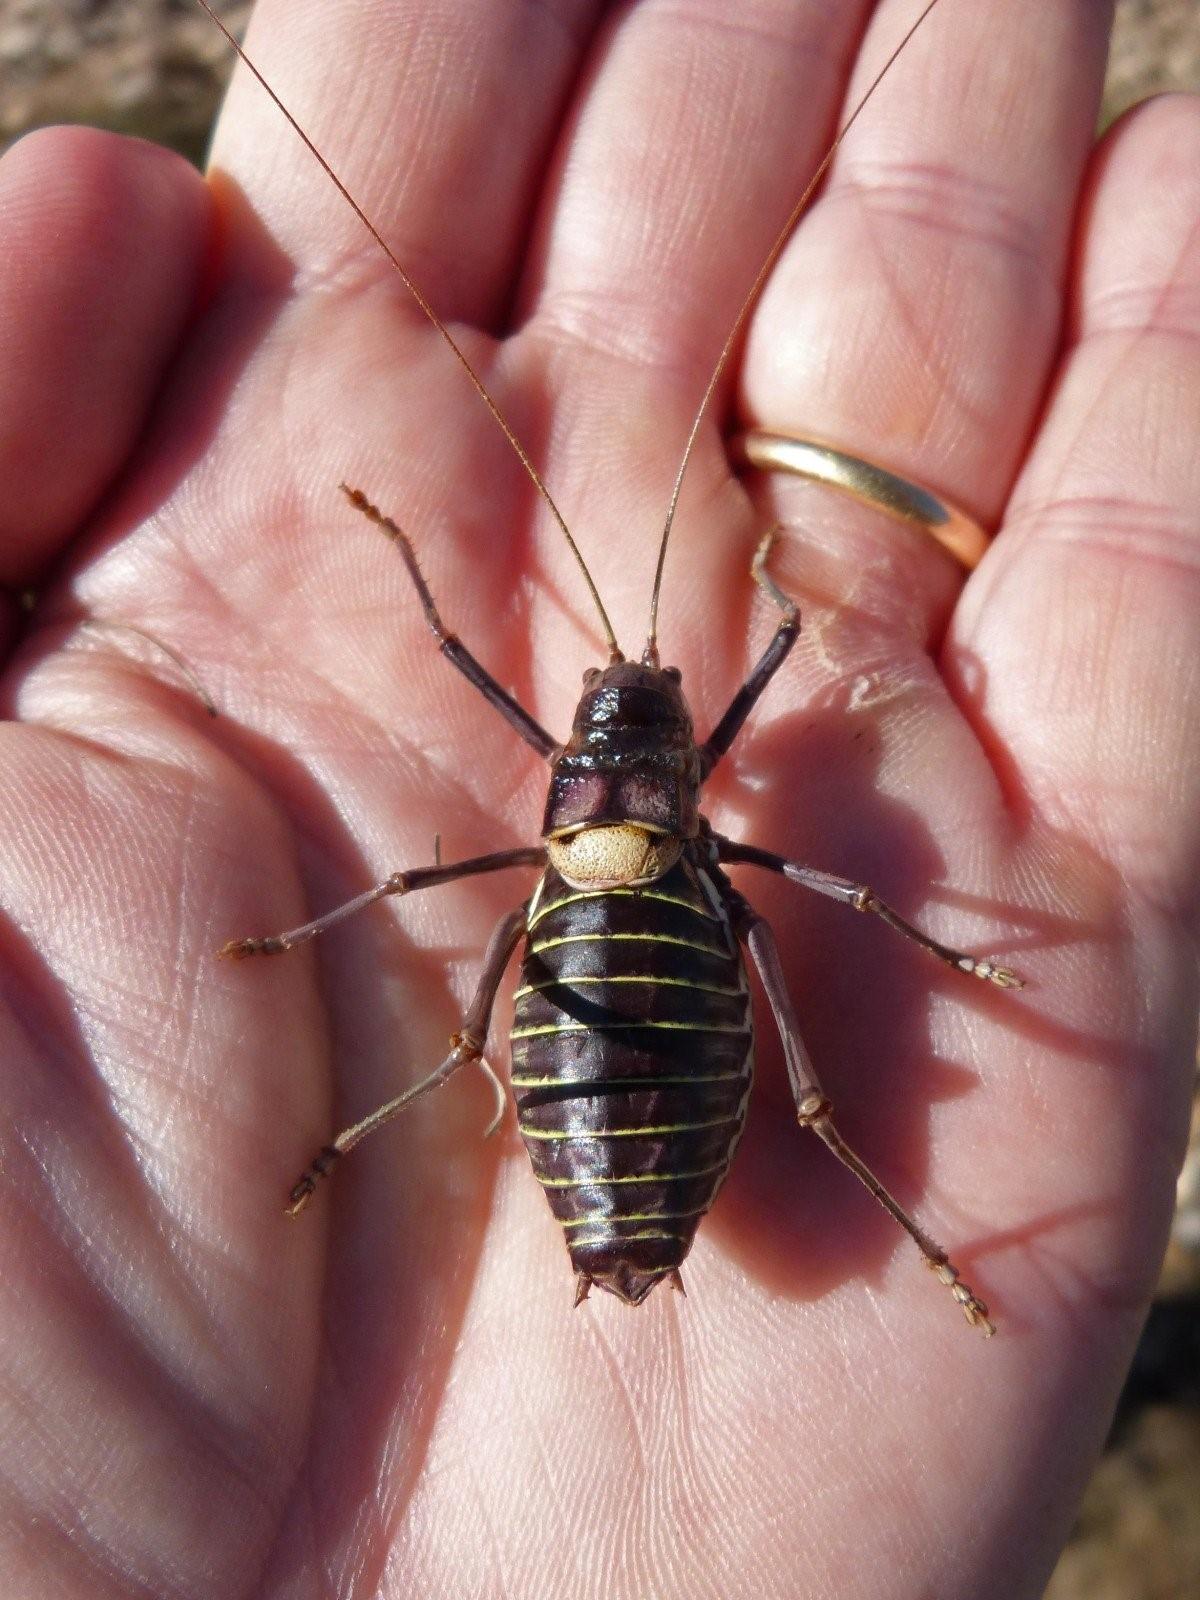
[(405, 101), (690, 142), (104, 250), (1080, 646), (915, 316), (692, 137)]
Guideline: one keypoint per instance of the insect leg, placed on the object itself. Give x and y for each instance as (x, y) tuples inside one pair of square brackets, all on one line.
[(772, 658), (814, 1110), (398, 883), (863, 898), (465, 1046), (451, 646)]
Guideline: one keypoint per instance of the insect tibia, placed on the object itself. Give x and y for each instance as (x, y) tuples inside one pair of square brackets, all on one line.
[(450, 644), (814, 1111), (401, 540)]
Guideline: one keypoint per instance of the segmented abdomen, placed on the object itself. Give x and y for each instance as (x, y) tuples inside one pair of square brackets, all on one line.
[(632, 1061)]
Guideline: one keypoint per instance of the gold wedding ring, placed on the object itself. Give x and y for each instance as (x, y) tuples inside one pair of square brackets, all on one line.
[(875, 486)]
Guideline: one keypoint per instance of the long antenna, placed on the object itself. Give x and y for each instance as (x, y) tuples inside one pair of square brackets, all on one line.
[(739, 321), (534, 475)]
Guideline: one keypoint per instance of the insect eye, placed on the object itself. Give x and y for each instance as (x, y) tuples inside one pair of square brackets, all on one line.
[(674, 674)]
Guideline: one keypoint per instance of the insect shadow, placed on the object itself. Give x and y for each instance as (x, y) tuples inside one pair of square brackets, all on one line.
[(789, 1216)]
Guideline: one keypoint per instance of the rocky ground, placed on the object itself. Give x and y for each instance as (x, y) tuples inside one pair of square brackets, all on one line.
[(156, 68)]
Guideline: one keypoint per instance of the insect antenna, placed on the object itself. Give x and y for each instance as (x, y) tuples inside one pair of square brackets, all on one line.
[(534, 475), (650, 655)]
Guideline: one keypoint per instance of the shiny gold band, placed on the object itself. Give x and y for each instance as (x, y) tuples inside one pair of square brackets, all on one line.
[(875, 486)]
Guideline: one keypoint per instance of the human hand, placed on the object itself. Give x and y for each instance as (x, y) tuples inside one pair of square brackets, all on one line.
[(392, 1395)]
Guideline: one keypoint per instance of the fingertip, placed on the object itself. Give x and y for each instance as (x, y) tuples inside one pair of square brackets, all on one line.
[(1165, 127), (1141, 199), (1172, 112), (105, 246)]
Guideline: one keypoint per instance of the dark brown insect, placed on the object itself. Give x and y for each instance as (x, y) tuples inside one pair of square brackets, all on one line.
[(632, 1045)]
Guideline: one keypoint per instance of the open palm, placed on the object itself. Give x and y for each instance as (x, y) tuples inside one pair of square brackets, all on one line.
[(392, 1395)]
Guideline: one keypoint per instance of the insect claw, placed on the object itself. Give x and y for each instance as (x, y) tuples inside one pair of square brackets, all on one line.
[(1002, 977), (974, 1309), (305, 1186), (239, 949), (969, 1303), (298, 1197), (976, 1314)]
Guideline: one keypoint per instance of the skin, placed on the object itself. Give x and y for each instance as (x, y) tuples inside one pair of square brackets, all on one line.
[(391, 1394)]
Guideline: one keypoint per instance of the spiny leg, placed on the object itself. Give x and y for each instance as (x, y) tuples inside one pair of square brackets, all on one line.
[(451, 646), (815, 1111), (398, 883), (769, 663), (863, 898), (465, 1046)]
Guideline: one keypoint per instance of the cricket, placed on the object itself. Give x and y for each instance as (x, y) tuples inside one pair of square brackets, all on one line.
[(632, 1045)]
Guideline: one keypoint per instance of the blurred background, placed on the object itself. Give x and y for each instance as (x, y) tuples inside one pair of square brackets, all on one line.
[(156, 68)]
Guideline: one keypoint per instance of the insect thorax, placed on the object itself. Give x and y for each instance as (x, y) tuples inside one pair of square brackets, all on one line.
[(625, 791)]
